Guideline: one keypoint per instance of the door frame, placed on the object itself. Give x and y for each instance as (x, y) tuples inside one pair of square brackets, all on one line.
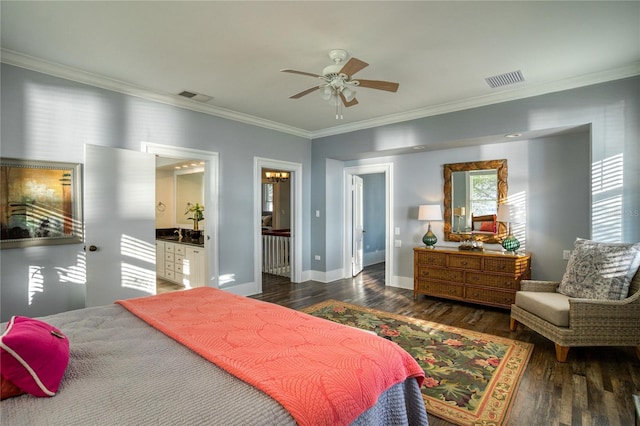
[(357, 218), (295, 170), (387, 169), (211, 198)]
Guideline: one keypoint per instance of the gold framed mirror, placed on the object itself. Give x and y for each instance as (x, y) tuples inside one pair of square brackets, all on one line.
[(495, 172)]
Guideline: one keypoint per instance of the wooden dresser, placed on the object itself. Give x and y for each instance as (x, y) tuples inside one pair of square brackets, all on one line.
[(488, 278)]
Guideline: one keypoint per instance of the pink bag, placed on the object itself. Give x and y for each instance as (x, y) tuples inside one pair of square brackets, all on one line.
[(33, 355)]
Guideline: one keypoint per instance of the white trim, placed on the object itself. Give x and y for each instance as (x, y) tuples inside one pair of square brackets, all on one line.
[(506, 95), (40, 65), (296, 229), (74, 74), (246, 289), (387, 169), (402, 282), (326, 277), (211, 199)]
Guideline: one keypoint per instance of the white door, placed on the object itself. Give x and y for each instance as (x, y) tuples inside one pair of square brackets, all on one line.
[(119, 208), (357, 228)]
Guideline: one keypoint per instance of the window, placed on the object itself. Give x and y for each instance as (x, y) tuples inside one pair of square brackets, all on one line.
[(482, 192), (267, 197)]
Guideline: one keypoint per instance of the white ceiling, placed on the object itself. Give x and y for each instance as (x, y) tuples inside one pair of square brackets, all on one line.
[(439, 52)]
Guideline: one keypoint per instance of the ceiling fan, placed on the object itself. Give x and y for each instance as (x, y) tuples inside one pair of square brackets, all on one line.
[(338, 85)]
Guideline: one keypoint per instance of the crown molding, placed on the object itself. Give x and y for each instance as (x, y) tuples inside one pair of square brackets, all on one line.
[(631, 70), (21, 60), (35, 64)]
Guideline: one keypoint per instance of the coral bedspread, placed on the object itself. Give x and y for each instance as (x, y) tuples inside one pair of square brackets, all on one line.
[(321, 372)]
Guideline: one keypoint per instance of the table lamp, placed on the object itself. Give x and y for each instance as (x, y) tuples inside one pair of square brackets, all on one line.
[(506, 215), (429, 213), (459, 212)]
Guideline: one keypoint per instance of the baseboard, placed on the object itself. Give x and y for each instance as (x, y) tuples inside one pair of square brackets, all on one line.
[(401, 282), (246, 289), (326, 277)]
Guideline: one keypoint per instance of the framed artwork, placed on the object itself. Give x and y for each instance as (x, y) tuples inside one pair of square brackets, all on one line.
[(40, 203)]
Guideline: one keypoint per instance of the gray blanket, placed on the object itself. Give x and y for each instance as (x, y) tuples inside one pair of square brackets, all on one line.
[(124, 372)]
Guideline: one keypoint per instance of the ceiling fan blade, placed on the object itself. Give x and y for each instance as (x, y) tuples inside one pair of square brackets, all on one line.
[(302, 73), (353, 66), (380, 85), (304, 92), (353, 102)]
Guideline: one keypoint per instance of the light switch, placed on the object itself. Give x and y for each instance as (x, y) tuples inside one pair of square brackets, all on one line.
[(317, 213), (397, 230), (397, 243)]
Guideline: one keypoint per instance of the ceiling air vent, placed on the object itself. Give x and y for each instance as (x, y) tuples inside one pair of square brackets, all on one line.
[(195, 96), (505, 79)]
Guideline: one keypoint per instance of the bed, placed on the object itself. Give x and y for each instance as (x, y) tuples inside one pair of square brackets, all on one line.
[(125, 369)]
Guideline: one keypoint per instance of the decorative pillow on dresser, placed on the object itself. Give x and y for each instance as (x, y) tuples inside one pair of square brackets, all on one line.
[(601, 271)]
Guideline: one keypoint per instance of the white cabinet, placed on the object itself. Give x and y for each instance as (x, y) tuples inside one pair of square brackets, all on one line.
[(160, 258), (181, 263), (195, 267)]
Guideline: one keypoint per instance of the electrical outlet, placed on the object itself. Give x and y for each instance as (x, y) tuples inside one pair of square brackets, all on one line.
[(566, 254), (397, 243), (317, 257)]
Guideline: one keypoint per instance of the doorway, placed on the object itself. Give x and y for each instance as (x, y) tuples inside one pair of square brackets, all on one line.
[(209, 167), (291, 192), (351, 227)]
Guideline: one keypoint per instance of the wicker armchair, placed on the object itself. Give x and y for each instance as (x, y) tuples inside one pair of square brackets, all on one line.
[(590, 322)]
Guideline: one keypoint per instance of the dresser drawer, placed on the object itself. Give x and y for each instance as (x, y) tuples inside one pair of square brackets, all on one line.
[(441, 274), (489, 296), (498, 281), (169, 257), (440, 289), (494, 264), (169, 247), (179, 249), (169, 275), (466, 262), (428, 258), (169, 266)]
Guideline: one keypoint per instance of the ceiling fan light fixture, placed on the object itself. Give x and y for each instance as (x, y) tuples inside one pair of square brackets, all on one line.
[(349, 94), (326, 92)]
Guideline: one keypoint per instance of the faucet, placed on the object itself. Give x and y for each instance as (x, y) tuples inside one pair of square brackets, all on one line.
[(179, 232)]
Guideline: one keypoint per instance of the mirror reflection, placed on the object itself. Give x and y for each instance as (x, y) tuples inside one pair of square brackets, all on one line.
[(189, 190), (472, 193)]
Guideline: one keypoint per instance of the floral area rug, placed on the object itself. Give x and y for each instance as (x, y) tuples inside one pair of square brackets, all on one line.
[(471, 377)]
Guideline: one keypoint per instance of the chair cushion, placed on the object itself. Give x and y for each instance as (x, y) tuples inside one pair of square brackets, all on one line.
[(601, 271), (552, 307)]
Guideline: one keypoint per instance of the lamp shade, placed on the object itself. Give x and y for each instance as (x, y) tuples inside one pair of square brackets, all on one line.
[(429, 212), (459, 211), (504, 213)]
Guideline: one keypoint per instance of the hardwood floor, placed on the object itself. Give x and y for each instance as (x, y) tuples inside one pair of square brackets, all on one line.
[(594, 387)]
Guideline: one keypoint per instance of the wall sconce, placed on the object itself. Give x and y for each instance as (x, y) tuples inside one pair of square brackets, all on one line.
[(429, 213)]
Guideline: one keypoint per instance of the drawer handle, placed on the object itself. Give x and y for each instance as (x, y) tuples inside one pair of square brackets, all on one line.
[(464, 263)]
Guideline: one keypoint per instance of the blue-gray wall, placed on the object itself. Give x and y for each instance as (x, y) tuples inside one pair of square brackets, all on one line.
[(48, 118), (552, 173)]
